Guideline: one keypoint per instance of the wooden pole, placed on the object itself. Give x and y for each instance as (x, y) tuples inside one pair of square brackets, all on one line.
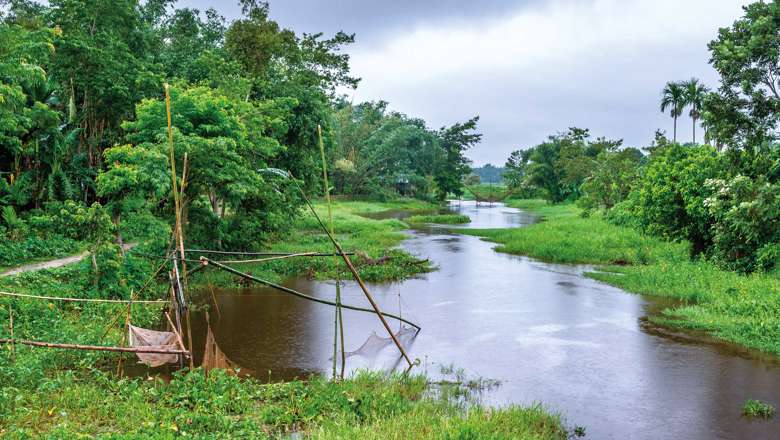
[(356, 275), (176, 332), (11, 318), (92, 347), (337, 315), (172, 158)]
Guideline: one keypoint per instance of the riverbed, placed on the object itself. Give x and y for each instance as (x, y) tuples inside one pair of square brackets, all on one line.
[(546, 332)]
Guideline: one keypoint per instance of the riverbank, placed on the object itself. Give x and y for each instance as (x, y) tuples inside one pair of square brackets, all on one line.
[(71, 394), (218, 405), (744, 309)]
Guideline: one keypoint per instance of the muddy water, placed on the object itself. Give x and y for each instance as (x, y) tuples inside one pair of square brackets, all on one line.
[(545, 331)]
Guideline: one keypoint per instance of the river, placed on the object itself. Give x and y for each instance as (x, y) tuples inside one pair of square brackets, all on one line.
[(546, 332)]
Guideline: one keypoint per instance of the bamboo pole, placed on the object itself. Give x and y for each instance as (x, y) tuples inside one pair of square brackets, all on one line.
[(11, 318), (356, 275), (175, 332), (92, 347), (330, 218), (267, 254), (338, 326), (302, 295), (172, 158), (280, 257)]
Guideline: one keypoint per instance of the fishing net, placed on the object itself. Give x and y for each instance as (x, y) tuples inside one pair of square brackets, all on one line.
[(214, 357), (141, 337), (375, 343)]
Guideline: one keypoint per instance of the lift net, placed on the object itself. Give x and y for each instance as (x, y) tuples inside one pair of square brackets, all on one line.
[(375, 343)]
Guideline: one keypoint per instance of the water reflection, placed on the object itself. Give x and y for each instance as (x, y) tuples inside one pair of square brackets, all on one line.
[(545, 331)]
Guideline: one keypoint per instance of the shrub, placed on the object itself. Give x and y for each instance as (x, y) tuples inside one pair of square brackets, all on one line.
[(757, 408), (746, 226), (669, 198)]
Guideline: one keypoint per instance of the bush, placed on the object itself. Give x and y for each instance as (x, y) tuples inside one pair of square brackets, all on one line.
[(746, 227), (14, 253), (669, 198)]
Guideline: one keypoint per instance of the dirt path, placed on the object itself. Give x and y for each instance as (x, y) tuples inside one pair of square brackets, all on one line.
[(59, 262)]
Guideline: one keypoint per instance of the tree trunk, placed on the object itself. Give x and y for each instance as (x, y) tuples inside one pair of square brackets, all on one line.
[(694, 131), (674, 139)]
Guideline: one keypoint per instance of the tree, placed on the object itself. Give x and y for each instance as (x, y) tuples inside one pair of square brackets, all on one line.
[(135, 180), (695, 92), (227, 144), (743, 112), (673, 98), (454, 166)]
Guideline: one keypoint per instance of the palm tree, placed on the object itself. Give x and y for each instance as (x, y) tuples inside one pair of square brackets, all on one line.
[(695, 92), (673, 98)]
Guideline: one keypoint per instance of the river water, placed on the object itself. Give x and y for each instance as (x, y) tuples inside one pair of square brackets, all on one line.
[(545, 331)]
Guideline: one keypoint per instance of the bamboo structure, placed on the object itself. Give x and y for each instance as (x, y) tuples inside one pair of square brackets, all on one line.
[(356, 275)]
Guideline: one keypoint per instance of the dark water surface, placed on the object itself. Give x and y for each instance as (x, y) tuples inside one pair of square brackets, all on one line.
[(545, 331)]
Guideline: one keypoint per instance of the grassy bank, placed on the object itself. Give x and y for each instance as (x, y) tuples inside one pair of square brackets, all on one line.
[(744, 309), (442, 219), (218, 405), (48, 393)]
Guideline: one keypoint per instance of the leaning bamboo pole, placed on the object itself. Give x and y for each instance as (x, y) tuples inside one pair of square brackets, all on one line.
[(355, 273), (92, 347)]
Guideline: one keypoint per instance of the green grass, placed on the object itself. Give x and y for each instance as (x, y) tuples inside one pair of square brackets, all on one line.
[(34, 249), (565, 237), (744, 309), (758, 409), (484, 190), (444, 219), (47, 393), (218, 405)]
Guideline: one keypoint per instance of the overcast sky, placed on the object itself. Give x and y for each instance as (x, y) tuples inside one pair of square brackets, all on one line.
[(528, 68)]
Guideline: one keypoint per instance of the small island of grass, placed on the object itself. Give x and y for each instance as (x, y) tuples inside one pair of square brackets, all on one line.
[(444, 219)]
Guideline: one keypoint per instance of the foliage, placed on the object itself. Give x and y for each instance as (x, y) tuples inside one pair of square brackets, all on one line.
[(612, 178), (489, 173), (743, 112), (673, 98), (757, 408), (668, 199), (227, 144), (455, 140), (746, 215), (377, 150), (557, 167), (14, 253)]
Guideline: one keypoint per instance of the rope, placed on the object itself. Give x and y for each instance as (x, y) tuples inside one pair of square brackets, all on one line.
[(97, 300)]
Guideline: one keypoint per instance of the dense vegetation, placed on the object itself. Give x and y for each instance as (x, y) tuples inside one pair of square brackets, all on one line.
[(86, 163)]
